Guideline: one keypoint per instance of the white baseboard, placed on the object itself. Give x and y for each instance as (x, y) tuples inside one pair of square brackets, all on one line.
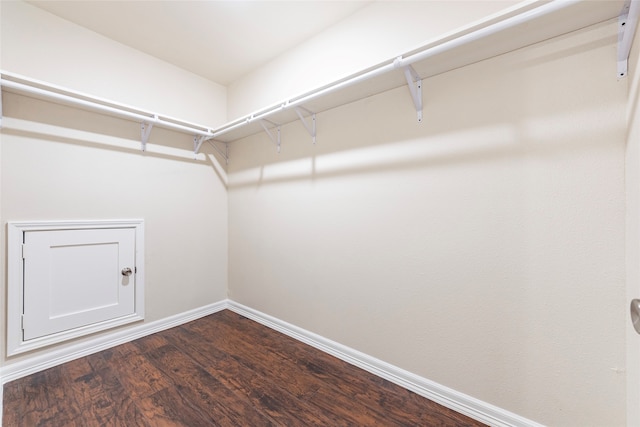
[(459, 402), (37, 363)]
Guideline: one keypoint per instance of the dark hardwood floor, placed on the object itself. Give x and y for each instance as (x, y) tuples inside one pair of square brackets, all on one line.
[(221, 370)]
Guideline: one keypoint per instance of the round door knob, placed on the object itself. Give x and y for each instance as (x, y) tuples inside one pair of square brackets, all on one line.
[(635, 314), (126, 271)]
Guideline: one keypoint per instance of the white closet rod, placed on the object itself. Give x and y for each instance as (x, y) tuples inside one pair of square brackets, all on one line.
[(28, 86), (518, 15), (508, 23), (400, 62), (298, 102)]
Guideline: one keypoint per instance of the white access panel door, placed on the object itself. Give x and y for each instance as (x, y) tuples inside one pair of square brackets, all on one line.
[(75, 278)]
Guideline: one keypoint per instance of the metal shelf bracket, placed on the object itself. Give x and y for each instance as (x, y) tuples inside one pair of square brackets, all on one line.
[(197, 143), (311, 128), (145, 131), (275, 139), (627, 23), (414, 82)]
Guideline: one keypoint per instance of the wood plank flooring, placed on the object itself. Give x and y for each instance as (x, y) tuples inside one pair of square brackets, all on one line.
[(221, 370)]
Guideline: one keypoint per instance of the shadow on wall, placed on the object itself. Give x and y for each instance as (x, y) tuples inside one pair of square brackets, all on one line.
[(514, 106), (43, 120), (505, 107), (482, 248)]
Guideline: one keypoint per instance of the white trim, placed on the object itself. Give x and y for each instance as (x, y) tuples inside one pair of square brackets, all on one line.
[(49, 359), (452, 399), (15, 275)]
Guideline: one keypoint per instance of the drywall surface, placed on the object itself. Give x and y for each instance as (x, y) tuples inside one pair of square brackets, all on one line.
[(632, 184), (482, 249), (376, 33), (42, 46), (61, 163)]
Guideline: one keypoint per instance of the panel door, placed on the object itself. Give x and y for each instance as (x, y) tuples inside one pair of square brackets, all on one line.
[(74, 278)]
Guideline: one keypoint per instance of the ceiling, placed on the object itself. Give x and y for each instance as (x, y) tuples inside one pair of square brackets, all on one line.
[(220, 40)]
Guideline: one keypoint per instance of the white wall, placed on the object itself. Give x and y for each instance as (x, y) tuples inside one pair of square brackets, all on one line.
[(482, 249), (40, 45), (632, 184), (60, 163), (376, 33)]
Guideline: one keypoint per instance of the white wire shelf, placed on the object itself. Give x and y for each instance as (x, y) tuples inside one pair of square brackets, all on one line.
[(525, 24)]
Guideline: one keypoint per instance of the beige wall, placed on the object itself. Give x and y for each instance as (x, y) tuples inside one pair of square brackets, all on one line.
[(60, 163), (632, 184), (482, 249), (376, 33), (42, 46)]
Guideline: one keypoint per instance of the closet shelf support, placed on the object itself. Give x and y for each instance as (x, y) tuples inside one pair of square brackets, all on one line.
[(414, 82), (197, 143), (145, 131), (26, 86), (627, 23), (275, 139), (311, 128)]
